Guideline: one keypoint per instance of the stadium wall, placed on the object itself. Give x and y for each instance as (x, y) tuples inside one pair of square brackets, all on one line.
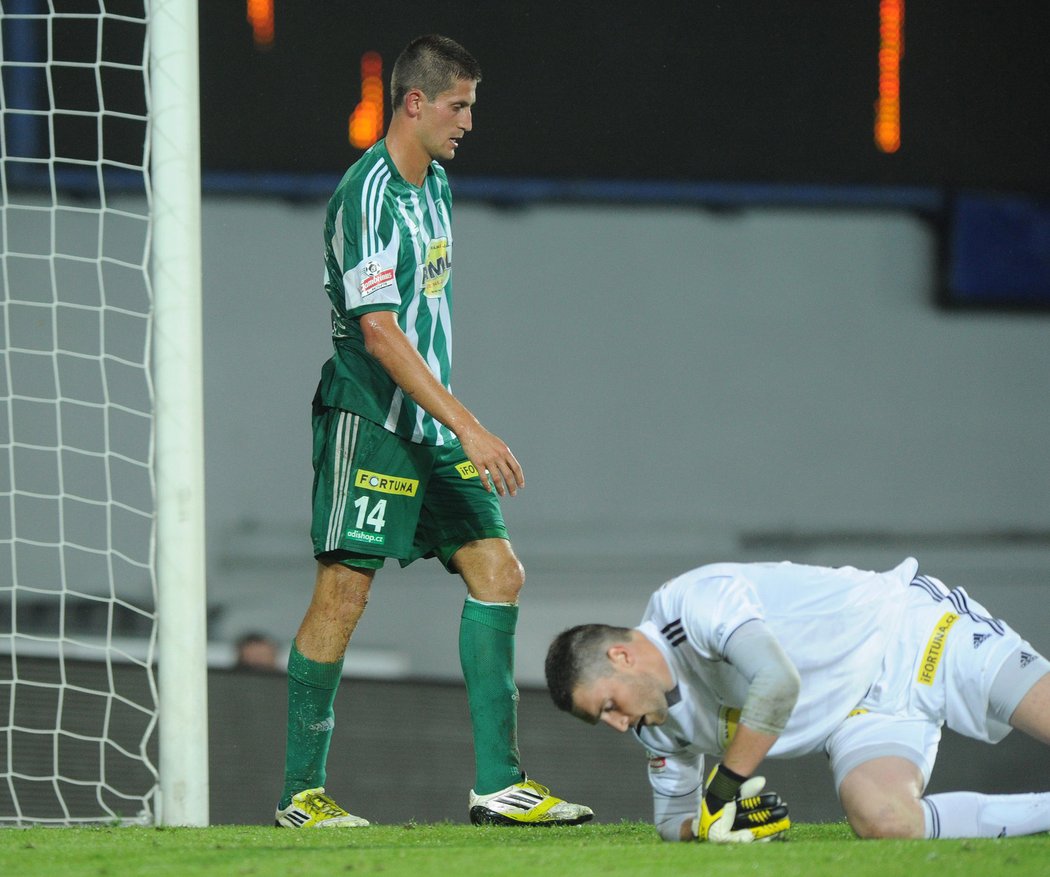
[(402, 752), (681, 385)]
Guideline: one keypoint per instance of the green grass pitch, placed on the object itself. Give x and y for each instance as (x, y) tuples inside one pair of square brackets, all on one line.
[(629, 849)]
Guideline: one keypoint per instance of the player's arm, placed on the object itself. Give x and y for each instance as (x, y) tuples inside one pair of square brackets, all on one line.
[(678, 805), (732, 789), (677, 784), (494, 461), (773, 689)]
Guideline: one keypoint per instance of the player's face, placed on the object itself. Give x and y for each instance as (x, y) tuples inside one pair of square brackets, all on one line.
[(445, 120), (623, 700)]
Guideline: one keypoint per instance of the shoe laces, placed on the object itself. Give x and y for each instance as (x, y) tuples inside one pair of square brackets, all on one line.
[(325, 805), (537, 787)]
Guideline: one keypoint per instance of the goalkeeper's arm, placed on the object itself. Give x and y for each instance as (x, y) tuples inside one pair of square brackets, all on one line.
[(773, 690), (772, 694)]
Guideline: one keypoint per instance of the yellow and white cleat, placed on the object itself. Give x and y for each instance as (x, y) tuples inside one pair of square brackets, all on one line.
[(526, 803), (312, 808)]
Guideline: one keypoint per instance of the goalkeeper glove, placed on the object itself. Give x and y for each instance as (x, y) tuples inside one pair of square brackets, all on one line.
[(735, 810)]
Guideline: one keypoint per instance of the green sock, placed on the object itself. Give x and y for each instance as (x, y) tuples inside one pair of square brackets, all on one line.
[(311, 694), (486, 653)]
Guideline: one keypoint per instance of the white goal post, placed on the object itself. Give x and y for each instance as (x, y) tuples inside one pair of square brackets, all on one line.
[(103, 674), (179, 412)]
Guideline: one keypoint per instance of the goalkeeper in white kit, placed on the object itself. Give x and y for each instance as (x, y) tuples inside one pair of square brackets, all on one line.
[(740, 661)]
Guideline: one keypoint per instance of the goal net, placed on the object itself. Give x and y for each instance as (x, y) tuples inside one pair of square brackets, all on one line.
[(78, 490)]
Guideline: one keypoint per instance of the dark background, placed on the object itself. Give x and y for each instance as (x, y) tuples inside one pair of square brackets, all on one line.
[(664, 91), (746, 91), (721, 104), (710, 103)]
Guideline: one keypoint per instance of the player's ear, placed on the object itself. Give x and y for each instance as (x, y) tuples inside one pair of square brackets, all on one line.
[(620, 655), (414, 101)]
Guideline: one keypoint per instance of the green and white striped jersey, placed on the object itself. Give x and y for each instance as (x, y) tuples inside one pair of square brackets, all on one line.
[(388, 247)]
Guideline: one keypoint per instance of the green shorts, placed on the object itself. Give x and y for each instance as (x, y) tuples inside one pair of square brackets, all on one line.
[(377, 495)]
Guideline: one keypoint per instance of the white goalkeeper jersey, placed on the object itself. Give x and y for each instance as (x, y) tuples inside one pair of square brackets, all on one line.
[(834, 625)]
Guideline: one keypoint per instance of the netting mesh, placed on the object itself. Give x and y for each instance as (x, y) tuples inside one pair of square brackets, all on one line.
[(77, 585)]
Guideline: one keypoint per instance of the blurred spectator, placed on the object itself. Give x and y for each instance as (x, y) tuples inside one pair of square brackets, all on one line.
[(256, 651)]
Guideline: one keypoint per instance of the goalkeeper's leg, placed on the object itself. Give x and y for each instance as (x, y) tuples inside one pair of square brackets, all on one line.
[(969, 814), (882, 799), (883, 795), (1032, 715)]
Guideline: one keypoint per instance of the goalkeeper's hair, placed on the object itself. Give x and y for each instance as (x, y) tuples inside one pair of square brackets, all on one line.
[(433, 64), (577, 656)]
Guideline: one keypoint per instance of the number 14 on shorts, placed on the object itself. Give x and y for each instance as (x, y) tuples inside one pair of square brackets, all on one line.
[(373, 517)]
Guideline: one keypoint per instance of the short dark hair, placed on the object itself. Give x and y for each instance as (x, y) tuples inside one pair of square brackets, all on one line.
[(433, 64), (575, 657)]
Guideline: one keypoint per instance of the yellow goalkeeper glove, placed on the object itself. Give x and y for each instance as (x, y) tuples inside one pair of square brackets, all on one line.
[(747, 815)]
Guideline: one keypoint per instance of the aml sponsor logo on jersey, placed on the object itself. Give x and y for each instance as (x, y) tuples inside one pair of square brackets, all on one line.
[(935, 649), (466, 470), (385, 483), (436, 268), (374, 276)]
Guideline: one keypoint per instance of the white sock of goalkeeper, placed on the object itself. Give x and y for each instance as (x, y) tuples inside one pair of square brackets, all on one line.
[(971, 814)]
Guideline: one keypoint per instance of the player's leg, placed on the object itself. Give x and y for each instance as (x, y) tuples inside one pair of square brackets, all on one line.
[(338, 602), (994, 680), (462, 525), (881, 763), (1019, 695), (989, 679), (493, 576), (491, 570), (315, 666), (1032, 715), (502, 794), (1025, 705), (881, 798), (365, 507)]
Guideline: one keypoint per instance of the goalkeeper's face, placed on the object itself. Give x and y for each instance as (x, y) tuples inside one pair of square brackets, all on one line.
[(629, 697)]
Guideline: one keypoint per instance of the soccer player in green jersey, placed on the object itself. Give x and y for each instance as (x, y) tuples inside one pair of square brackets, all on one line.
[(402, 469)]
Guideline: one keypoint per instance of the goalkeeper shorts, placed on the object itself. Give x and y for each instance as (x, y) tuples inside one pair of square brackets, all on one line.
[(377, 495), (951, 663)]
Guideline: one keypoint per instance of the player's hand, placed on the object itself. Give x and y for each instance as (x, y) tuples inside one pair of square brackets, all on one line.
[(751, 816), (496, 465)]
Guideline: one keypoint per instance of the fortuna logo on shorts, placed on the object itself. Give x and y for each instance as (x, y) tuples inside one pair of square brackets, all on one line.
[(385, 483), (466, 470), (935, 649)]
